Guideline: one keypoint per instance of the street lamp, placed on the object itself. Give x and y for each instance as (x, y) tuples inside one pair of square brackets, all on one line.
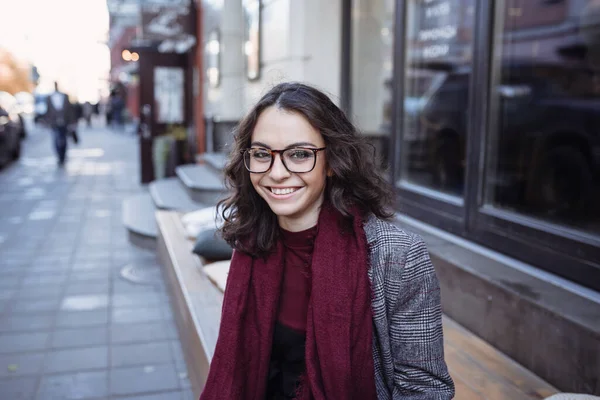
[(126, 54)]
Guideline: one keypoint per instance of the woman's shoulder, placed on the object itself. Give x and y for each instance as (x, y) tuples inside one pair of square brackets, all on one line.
[(384, 233), (390, 244)]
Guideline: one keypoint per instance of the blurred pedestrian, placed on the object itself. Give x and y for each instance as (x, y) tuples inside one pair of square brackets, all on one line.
[(325, 298), (87, 111), (60, 117), (117, 107)]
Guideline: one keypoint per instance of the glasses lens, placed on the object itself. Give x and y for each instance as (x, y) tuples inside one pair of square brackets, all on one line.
[(257, 160), (299, 160)]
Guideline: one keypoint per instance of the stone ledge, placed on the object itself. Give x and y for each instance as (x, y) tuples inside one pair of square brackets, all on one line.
[(203, 184), (169, 194), (138, 212), (196, 301), (548, 325)]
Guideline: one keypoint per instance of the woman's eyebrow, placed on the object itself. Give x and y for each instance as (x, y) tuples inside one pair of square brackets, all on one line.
[(298, 144), (260, 144)]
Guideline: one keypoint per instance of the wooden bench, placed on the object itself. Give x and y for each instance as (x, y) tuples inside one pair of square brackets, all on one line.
[(479, 371)]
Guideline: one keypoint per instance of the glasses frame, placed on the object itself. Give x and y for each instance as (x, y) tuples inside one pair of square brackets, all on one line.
[(280, 152)]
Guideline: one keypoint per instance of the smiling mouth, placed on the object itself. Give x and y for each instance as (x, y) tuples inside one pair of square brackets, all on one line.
[(281, 191)]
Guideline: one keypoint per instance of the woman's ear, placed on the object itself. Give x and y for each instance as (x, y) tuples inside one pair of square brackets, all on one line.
[(329, 172)]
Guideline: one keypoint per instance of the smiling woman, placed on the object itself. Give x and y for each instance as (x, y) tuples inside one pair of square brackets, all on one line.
[(293, 184), (318, 275)]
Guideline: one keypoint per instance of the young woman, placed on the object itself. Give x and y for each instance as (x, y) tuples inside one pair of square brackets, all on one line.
[(325, 299)]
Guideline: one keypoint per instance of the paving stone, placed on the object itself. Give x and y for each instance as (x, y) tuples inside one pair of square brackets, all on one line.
[(20, 364), (93, 277), (120, 286), (33, 273), (176, 395), (7, 294), (141, 354), (138, 299), (35, 306), (21, 388), (76, 288), (91, 266), (188, 394), (81, 385), (133, 315), (76, 359), (9, 281), (44, 280), (143, 380), (75, 319), (142, 332), (84, 302), (13, 323), (18, 342), (48, 269), (32, 292), (67, 338), (177, 351)]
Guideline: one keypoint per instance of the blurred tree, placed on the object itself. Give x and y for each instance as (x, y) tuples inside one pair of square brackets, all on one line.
[(14, 76)]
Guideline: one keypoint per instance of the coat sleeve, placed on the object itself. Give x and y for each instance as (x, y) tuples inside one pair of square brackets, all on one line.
[(417, 342)]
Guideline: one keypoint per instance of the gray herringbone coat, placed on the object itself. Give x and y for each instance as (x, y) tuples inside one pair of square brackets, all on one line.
[(407, 319)]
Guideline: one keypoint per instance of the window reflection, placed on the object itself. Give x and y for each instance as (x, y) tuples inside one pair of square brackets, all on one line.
[(436, 93), (372, 52), (213, 58), (252, 38), (543, 156)]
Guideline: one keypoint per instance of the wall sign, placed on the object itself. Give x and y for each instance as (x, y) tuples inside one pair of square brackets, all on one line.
[(169, 95), (168, 24)]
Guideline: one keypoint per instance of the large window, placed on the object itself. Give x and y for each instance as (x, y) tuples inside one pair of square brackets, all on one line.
[(437, 83), (372, 69), (543, 144)]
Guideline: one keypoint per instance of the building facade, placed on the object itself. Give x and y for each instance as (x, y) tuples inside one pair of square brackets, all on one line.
[(489, 112), (486, 115)]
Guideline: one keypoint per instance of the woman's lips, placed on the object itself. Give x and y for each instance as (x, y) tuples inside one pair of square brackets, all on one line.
[(282, 193)]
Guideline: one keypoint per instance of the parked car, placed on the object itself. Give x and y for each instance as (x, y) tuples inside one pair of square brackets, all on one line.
[(25, 109), (544, 135), (10, 140), (40, 106), (13, 106)]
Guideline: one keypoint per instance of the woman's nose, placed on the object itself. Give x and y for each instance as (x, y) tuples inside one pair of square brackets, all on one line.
[(278, 170)]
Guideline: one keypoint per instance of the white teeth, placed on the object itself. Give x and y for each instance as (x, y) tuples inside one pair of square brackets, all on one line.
[(283, 191)]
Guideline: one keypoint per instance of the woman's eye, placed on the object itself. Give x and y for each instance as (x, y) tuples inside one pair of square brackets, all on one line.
[(300, 154), (261, 154)]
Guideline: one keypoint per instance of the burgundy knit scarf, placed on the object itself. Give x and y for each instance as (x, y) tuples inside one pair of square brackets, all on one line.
[(339, 356)]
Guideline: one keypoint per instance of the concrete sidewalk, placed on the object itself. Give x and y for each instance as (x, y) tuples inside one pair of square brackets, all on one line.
[(83, 314)]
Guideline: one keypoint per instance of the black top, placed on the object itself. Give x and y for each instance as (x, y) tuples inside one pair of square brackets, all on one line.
[(287, 363)]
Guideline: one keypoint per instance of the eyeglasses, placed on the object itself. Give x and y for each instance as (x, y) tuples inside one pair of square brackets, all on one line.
[(259, 160)]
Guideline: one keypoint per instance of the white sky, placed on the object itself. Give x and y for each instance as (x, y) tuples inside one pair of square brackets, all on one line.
[(65, 39)]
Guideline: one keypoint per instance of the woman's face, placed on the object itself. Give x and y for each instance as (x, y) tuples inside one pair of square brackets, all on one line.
[(278, 129)]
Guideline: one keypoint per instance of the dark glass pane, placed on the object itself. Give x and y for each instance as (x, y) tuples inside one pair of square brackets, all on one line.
[(438, 57), (543, 156)]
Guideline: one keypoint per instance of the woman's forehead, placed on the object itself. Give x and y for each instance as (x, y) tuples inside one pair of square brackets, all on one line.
[(279, 128)]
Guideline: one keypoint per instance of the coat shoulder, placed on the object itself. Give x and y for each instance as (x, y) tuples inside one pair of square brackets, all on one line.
[(385, 235)]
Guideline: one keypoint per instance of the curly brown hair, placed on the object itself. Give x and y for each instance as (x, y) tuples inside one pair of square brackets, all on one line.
[(249, 224)]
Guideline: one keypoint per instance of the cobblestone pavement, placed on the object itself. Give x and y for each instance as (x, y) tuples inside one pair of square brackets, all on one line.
[(73, 324)]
